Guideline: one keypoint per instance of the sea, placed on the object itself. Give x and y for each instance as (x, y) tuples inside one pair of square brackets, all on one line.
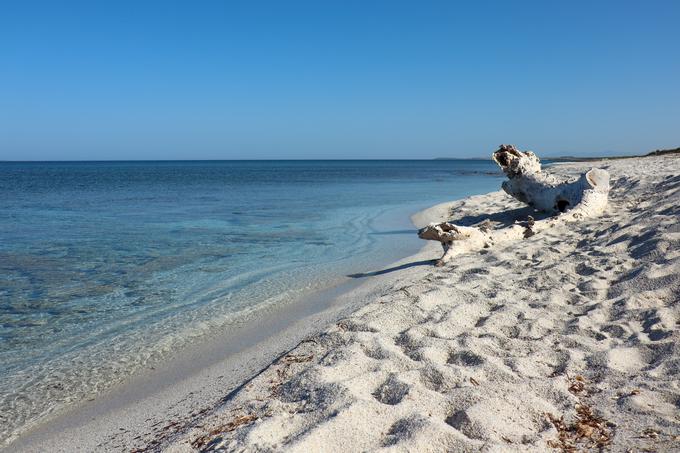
[(108, 267)]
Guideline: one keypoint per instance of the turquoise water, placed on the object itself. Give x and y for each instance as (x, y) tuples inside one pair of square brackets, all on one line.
[(106, 267)]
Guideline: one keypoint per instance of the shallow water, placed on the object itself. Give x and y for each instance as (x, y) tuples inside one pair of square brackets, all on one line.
[(106, 267)]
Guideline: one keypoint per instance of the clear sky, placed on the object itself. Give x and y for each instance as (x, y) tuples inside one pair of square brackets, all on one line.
[(346, 79)]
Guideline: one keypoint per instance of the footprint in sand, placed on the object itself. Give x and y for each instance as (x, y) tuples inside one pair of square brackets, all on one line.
[(465, 358), (391, 392)]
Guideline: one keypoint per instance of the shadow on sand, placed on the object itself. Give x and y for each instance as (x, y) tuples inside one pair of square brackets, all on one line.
[(380, 233), (502, 219), (393, 269)]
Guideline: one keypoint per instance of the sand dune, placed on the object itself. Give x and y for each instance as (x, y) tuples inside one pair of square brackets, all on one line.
[(567, 339)]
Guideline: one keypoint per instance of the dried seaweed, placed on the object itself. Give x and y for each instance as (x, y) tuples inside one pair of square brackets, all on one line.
[(577, 385), (237, 422), (587, 431)]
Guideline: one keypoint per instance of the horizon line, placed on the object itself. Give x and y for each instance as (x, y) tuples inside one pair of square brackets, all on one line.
[(241, 160)]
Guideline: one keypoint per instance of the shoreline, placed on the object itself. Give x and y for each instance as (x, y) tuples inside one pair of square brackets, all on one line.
[(194, 381), (565, 341), (513, 348)]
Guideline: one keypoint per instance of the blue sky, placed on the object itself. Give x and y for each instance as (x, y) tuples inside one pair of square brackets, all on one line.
[(351, 79)]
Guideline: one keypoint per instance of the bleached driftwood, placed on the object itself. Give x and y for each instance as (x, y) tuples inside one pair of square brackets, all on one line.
[(569, 199)]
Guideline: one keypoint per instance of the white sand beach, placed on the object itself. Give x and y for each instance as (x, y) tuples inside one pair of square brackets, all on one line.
[(567, 340), (262, 227)]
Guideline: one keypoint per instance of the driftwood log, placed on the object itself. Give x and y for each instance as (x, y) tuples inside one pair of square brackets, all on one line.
[(566, 199)]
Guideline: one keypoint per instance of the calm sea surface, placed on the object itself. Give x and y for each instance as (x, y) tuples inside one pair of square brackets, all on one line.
[(106, 267)]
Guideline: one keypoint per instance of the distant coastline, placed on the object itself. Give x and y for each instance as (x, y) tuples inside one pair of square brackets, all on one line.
[(658, 152)]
